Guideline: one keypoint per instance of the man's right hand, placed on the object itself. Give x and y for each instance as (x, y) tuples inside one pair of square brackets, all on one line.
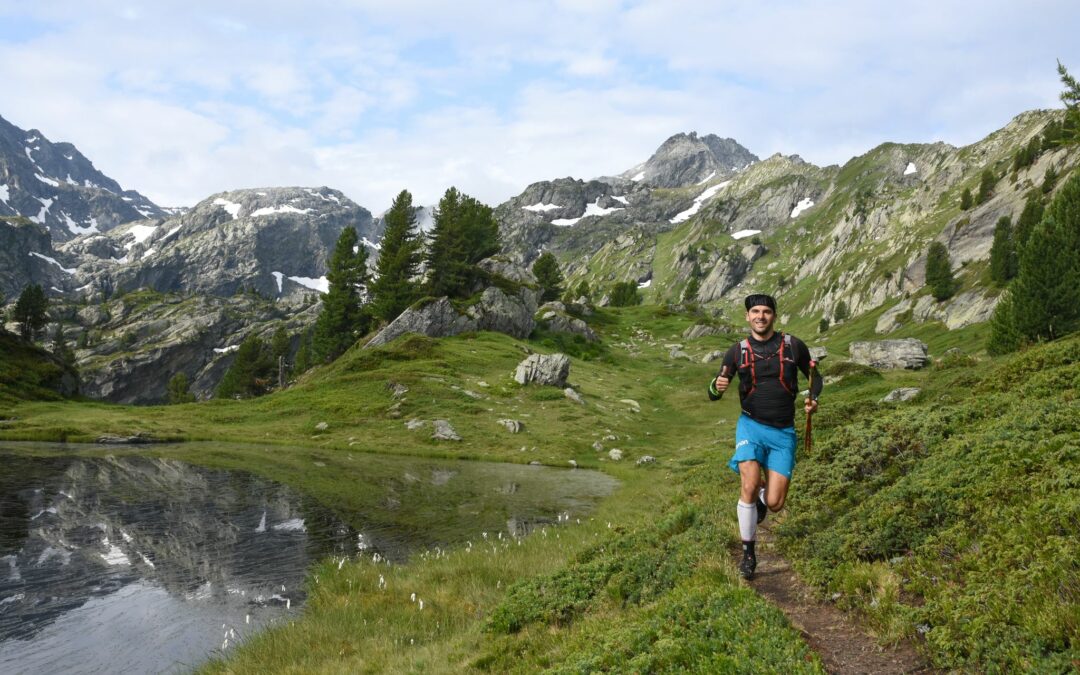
[(722, 381)]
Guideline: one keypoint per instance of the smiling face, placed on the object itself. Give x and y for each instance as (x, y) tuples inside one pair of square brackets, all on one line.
[(761, 318)]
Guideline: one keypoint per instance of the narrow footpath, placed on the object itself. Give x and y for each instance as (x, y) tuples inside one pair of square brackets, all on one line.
[(844, 648)]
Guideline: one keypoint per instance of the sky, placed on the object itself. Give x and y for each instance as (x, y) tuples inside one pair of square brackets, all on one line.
[(180, 100)]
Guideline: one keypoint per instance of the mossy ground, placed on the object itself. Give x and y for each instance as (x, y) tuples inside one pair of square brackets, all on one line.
[(948, 516)]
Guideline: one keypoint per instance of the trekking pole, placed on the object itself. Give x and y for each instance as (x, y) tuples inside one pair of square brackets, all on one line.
[(810, 392)]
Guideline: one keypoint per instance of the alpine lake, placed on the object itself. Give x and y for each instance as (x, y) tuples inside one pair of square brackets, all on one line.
[(132, 560)]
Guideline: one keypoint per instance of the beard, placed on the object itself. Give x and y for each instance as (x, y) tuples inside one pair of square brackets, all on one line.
[(761, 330)]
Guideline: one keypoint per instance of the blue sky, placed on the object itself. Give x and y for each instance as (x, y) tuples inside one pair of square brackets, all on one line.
[(182, 100)]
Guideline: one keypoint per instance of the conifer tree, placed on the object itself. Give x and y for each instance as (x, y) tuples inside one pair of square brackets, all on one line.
[(1043, 302), (986, 186), (30, 311), (691, 290), (178, 391), (303, 354), (548, 276), (1049, 179), (625, 294), (465, 232), (840, 312), (394, 287), (965, 199), (250, 372), (61, 348), (1003, 252), (582, 290), (939, 276), (343, 318), (1070, 126), (1029, 218)]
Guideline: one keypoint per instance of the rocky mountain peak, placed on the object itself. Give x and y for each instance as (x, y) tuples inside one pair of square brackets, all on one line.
[(55, 185), (686, 158)]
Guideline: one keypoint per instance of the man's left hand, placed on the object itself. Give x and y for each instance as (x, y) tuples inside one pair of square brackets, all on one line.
[(811, 406)]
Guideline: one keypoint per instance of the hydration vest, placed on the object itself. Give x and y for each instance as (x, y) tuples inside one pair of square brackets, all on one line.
[(750, 363)]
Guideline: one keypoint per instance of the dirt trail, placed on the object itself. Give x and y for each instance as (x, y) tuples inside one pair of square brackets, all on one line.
[(843, 647)]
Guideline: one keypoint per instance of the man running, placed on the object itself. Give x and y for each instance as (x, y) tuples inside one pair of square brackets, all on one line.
[(765, 434)]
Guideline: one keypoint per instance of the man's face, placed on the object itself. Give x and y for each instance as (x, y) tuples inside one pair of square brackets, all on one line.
[(761, 319)]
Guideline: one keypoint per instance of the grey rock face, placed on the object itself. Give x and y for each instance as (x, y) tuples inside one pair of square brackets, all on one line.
[(701, 330), (496, 311), (54, 185), (712, 356), (508, 270), (276, 241), (900, 395), (513, 426), (572, 394), (19, 266), (686, 159), (558, 322), (544, 369), (907, 353)]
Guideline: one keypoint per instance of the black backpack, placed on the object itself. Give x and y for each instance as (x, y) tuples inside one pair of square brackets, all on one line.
[(748, 361)]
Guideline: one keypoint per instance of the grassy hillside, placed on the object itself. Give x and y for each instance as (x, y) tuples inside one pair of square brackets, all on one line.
[(951, 518), (29, 372)]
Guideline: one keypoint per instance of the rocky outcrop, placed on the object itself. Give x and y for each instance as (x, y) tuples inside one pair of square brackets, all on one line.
[(553, 317), (687, 159), (907, 353), (26, 257), (965, 309), (496, 311), (901, 395), (544, 369), (55, 186)]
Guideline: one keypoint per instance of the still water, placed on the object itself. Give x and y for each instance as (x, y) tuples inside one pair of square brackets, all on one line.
[(136, 564)]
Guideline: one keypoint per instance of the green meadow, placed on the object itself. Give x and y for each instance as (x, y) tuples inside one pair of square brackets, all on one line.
[(950, 519)]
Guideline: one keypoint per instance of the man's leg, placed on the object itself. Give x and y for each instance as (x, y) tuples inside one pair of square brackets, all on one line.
[(777, 493), (750, 476)]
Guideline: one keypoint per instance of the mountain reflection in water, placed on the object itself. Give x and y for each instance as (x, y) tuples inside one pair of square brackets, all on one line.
[(146, 564)]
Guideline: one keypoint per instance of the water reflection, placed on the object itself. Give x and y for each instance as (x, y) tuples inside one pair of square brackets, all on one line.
[(140, 564)]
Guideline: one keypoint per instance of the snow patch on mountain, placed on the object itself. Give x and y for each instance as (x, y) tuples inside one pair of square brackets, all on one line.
[(743, 234), (640, 176), (541, 207), (708, 194), (278, 276), (911, 168), (270, 210), (322, 284), (4, 194), (801, 206), (593, 209), (46, 204), (232, 208), (76, 228), (47, 180), (621, 200), (141, 234), (47, 259)]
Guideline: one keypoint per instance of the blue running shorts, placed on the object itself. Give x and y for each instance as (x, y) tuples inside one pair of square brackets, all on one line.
[(773, 448)]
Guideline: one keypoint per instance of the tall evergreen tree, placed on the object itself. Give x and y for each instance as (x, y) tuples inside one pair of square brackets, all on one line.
[(1029, 218), (343, 318), (1049, 179), (1003, 252), (31, 311), (965, 199), (840, 312), (177, 389), (394, 287), (625, 294), (250, 372), (548, 276), (939, 276), (303, 354), (1044, 299), (1070, 126), (465, 232), (61, 348), (986, 186)]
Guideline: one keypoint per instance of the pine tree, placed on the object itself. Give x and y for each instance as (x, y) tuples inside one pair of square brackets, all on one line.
[(1070, 126), (939, 276), (178, 391), (250, 372), (61, 348), (1049, 179), (548, 276), (691, 290), (1003, 253), (30, 311), (279, 344), (823, 325), (986, 186), (625, 294), (1029, 218), (303, 354), (465, 233), (343, 318), (1044, 298), (394, 287), (582, 290), (965, 199), (840, 312)]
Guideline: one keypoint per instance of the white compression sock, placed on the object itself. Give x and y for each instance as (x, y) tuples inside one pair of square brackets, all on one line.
[(747, 521), (761, 495)]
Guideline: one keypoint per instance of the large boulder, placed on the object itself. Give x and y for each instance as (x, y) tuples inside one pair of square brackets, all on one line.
[(496, 311), (550, 369), (907, 353)]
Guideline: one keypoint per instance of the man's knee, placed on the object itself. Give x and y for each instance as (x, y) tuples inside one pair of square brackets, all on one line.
[(775, 503)]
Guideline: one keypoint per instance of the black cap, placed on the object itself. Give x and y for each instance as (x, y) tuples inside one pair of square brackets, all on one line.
[(760, 299)]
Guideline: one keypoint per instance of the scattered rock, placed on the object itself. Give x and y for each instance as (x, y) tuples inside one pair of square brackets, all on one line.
[(549, 369), (414, 424), (536, 462), (573, 396), (397, 390), (610, 437), (647, 459), (902, 394), (615, 454), (634, 406), (907, 353), (598, 446), (700, 330), (513, 426), (444, 432), (573, 463), (139, 438), (712, 356), (322, 426), (677, 353), (818, 353), (604, 301)]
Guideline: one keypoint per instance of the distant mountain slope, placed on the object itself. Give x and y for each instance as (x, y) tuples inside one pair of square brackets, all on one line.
[(54, 185)]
